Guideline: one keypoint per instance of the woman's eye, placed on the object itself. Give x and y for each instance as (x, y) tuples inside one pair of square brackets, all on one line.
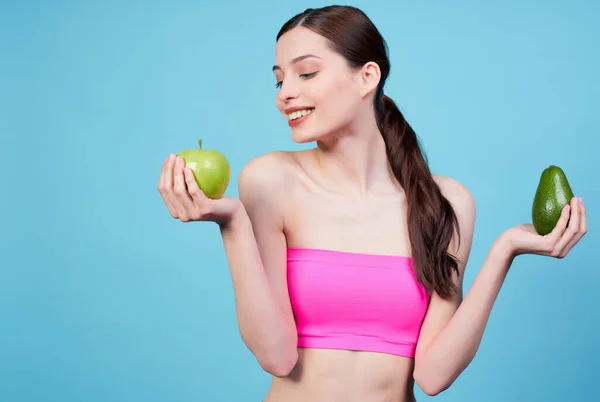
[(308, 75), (303, 76)]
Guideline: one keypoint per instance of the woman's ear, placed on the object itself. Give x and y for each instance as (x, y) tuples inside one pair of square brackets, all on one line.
[(369, 77)]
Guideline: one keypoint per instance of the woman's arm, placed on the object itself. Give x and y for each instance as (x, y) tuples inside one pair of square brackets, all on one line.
[(255, 247), (453, 329)]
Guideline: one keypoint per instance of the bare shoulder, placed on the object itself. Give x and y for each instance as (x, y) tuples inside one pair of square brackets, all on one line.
[(266, 170), (266, 178), (463, 204), (457, 193)]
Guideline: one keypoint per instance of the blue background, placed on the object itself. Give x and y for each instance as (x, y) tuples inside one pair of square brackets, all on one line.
[(104, 297)]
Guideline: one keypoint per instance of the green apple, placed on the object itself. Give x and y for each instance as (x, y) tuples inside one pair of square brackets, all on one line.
[(210, 167)]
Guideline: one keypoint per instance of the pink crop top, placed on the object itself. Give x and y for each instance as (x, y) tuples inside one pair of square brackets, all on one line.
[(344, 300)]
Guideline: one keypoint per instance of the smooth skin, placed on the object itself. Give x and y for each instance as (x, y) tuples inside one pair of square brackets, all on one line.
[(342, 195)]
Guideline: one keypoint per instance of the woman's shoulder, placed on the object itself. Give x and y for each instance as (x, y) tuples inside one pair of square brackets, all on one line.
[(461, 200), (455, 191), (269, 174), (270, 167)]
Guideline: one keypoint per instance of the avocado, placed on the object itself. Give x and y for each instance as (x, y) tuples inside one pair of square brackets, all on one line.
[(552, 194)]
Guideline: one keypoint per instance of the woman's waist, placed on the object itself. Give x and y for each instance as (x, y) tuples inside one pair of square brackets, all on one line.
[(332, 375)]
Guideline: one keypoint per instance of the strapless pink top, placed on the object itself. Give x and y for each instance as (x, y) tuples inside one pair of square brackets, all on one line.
[(353, 301)]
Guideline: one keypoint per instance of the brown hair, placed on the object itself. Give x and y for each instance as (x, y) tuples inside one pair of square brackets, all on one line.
[(431, 219)]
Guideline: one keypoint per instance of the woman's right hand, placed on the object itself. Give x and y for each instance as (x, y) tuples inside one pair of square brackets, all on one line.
[(186, 201)]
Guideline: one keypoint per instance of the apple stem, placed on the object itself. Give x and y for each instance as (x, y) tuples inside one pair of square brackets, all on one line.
[(200, 143)]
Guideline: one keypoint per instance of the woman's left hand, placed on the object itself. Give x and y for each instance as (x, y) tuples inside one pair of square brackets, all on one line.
[(523, 239)]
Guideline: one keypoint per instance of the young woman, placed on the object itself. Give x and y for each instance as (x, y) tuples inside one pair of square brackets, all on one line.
[(347, 260)]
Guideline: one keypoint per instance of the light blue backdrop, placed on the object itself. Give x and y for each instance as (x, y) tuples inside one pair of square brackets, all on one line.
[(104, 297)]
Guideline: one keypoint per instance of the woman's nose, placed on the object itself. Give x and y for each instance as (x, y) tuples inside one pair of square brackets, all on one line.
[(287, 91)]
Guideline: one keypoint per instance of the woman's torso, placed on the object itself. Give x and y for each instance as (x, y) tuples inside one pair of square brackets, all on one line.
[(317, 218), (327, 375)]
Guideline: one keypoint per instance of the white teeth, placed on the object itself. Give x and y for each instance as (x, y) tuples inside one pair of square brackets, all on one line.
[(299, 113)]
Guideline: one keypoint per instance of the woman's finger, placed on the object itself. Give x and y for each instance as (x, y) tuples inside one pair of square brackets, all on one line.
[(582, 224), (164, 187), (583, 219), (561, 225), (550, 241), (162, 172), (184, 200), (172, 190), (195, 192), (571, 235)]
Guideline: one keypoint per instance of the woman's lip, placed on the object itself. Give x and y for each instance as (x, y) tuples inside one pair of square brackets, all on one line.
[(299, 120), (296, 108)]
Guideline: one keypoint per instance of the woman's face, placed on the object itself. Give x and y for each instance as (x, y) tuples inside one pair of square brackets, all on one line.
[(319, 94)]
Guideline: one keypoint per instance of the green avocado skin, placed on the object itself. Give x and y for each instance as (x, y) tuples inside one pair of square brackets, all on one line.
[(552, 194)]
